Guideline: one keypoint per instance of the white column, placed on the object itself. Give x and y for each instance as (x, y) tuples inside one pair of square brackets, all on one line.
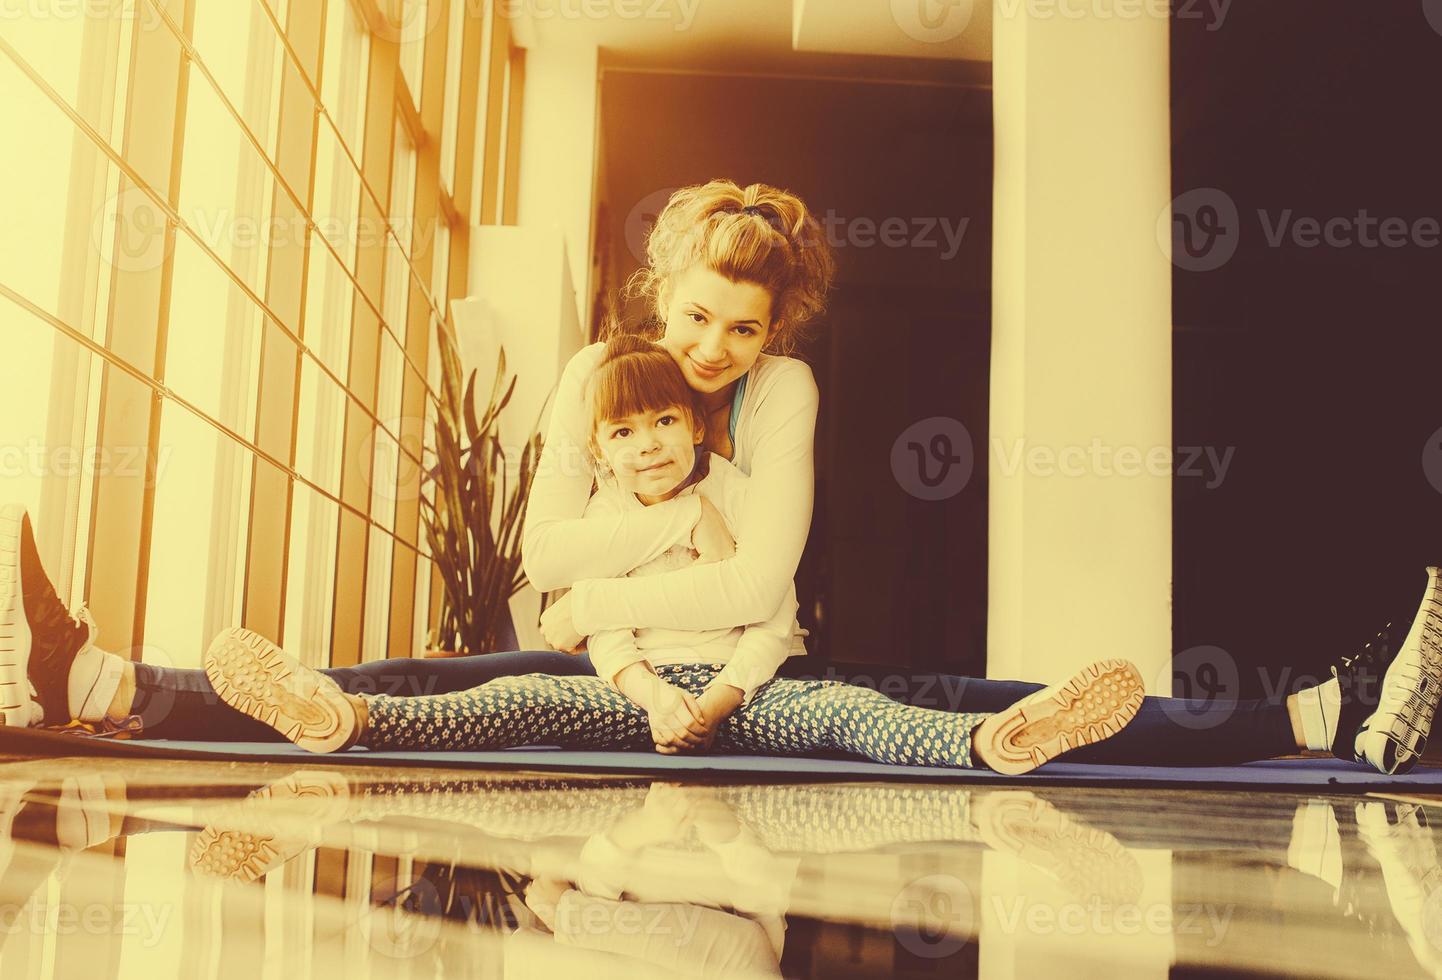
[(1080, 478)]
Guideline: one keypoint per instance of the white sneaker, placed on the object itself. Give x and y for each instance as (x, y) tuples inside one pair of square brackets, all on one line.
[(1392, 739)]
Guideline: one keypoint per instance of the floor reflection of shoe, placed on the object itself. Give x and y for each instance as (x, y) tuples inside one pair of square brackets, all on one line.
[(246, 853), (1095, 704), (1088, 862), (39, 638), (89, 811), (1392, 739), (1401, 842), (259, 679)]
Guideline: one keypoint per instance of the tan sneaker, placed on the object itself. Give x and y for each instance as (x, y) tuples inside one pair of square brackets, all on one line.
[(227, 849), (259, 679), (1096, 703)]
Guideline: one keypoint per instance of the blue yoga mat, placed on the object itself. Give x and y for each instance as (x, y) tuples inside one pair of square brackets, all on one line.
[(1315, 773)]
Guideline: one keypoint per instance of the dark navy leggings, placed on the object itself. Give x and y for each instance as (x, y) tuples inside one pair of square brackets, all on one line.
[(181, 704)]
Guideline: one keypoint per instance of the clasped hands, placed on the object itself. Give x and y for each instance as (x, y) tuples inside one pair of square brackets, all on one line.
[(680, 722)]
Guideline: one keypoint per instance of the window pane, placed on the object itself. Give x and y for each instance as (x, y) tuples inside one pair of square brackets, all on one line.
[(378, 595), (344, 72), (239, 48), (455, 34), (213, 345), (415, 28), (197, 545), (318, 434), (24, 400), (310, 577)]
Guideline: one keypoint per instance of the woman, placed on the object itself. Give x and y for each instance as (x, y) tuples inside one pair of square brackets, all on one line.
[(735, 273)]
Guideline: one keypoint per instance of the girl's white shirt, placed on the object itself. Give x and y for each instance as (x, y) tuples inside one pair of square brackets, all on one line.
[(773, 447), (750, 654)]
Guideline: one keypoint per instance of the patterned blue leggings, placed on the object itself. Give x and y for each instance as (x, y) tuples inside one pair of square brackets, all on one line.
[(785, 717)]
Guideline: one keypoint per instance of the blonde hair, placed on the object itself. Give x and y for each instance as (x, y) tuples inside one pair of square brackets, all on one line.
[(636, 376), (758, 234)]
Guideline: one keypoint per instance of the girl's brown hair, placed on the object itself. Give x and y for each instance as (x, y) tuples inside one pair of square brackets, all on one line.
[(637, 376), (758, 234)]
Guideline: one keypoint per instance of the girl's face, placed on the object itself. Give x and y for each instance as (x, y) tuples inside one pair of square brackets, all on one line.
[(715, 328), (651, 454)]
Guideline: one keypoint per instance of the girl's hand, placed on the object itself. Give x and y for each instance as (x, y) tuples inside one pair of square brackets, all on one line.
[(557, 628), (711, 538), (677, 723), (542, 896)]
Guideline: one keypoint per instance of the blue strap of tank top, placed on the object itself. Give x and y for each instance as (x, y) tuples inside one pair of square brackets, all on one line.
[(736, 407)]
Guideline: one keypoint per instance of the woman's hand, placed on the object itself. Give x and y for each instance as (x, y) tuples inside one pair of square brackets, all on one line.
[(557, 628), (711, 538)]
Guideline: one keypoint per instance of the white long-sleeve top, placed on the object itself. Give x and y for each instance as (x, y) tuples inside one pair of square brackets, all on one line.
[(750, 654), (773, 446)]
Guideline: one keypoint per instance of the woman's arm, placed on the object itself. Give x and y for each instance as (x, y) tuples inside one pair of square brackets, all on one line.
[(558, 547), (774, 520)]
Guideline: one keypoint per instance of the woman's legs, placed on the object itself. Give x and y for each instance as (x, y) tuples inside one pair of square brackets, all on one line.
[(1166, 731), (181, 704)]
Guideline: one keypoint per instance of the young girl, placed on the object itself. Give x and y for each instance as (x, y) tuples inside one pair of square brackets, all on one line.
[(675, 689)]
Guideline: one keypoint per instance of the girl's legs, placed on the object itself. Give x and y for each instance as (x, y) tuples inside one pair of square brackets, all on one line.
[(535, 709)]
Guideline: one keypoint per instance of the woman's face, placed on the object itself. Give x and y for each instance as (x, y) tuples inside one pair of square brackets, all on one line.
[(715, 328)]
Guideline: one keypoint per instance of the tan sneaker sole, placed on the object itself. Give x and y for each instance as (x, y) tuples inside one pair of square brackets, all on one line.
[(14, 627), (1090, 863), (228, 852), (1095, 704), (259, 679)]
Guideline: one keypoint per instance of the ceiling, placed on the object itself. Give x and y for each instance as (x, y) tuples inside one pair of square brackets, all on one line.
[(919, 41)]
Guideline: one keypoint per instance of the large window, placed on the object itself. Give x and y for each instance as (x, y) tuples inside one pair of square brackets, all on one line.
[(212, 280)]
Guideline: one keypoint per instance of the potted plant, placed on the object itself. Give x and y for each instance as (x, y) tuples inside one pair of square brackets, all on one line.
[(474, 515)]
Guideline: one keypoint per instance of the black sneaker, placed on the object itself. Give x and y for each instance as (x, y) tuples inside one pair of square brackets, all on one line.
[(39, 638), (1393, 736), (1360, 679)]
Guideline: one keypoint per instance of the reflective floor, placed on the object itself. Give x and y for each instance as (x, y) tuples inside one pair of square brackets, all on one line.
[(199, 870)]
